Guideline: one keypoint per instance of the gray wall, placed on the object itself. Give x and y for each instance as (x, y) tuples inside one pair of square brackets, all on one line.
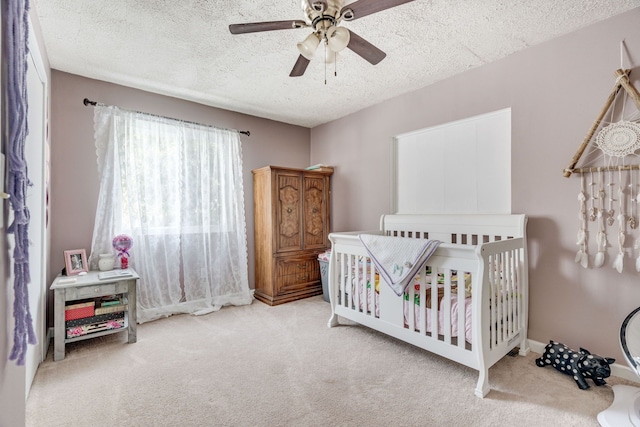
[(74, 175), (555, 91)]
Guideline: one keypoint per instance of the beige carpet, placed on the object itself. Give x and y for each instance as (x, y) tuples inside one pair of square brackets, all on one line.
[(281, 366)]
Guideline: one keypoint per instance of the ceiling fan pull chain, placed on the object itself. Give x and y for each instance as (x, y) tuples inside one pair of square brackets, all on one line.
[(325, 64)]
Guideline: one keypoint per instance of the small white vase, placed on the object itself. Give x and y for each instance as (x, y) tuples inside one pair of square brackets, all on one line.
[(105, 263)]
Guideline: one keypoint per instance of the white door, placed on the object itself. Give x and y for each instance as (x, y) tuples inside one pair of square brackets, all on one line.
[(36, 203)]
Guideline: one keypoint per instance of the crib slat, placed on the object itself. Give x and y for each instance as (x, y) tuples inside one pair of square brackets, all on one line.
[(492, 299), (509, 296), (423, 301), (499, 299), (374, 295), (341, 278), (446, 306), (517, 289), (350, 281), (409, 306), (346, 294), (361, 280), (505, 297), (434, 302), (462, 309), (359, 296), (504, 282), (370, 277)]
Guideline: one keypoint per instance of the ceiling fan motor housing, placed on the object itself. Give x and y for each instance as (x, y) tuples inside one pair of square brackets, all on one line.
[(321, 14)]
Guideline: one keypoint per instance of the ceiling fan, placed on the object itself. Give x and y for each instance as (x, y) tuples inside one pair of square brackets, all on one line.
[(325, 16)]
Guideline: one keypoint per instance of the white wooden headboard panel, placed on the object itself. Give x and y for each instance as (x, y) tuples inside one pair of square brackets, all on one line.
[(461, 167)]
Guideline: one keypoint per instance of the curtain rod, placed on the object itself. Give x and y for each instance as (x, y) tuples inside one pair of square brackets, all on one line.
[(87, 102)]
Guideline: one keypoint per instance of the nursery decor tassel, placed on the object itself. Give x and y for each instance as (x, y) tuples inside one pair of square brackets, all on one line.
[(610, 212), (602, 235), (632, 219), (618, 264), (634, 201), (593, 210), (17, 14), (582, 256)]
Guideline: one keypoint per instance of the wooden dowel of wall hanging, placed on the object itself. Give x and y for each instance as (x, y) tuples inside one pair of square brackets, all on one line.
[(606, 169), (626, 84), (592, 130)]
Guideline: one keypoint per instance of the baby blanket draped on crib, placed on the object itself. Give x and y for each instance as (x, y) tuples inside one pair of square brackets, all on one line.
[(398, 259)]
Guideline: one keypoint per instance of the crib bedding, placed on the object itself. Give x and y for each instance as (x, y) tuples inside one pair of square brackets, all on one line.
[(365, 303)]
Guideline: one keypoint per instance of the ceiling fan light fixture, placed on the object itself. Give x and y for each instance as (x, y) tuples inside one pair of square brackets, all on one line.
[(308, 46), (338, 38)]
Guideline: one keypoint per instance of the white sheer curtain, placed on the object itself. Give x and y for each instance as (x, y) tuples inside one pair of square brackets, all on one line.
[(176, 188)]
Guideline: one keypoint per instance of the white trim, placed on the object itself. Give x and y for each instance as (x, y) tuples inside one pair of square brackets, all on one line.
[(37, 195), (34, 51)]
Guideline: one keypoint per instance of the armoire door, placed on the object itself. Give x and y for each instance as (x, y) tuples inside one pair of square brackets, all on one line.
[(315, 212), (288, 236)]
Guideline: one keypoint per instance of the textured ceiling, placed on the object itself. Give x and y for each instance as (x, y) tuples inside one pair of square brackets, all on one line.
[(184, 48)]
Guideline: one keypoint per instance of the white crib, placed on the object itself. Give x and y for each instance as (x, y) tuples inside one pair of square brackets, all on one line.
[(489, 254)]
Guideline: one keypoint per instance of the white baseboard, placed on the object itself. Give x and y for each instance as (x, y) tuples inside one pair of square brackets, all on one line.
[(617, 369)]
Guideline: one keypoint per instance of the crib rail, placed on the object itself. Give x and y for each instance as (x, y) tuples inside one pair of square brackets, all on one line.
[(460, 229)]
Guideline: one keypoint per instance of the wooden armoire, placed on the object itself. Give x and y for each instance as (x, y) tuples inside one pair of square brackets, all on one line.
[(291, 219)]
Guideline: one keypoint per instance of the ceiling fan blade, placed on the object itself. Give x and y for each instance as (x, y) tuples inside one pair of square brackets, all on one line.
[(361, 8), (365, 49), (300, 67), (255, 27)]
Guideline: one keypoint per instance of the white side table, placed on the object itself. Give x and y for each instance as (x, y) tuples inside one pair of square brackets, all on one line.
[(91, 286)]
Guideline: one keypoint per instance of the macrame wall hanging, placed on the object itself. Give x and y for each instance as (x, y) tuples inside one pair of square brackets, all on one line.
[(609, 196)]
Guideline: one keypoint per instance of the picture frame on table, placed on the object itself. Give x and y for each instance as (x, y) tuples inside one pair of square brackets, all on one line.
[(75, 261)]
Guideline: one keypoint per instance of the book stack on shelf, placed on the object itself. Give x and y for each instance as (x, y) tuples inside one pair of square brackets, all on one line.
[(320, 168), (86, 317)]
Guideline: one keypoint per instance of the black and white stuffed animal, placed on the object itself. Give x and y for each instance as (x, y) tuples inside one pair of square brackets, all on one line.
[(580, 366)]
